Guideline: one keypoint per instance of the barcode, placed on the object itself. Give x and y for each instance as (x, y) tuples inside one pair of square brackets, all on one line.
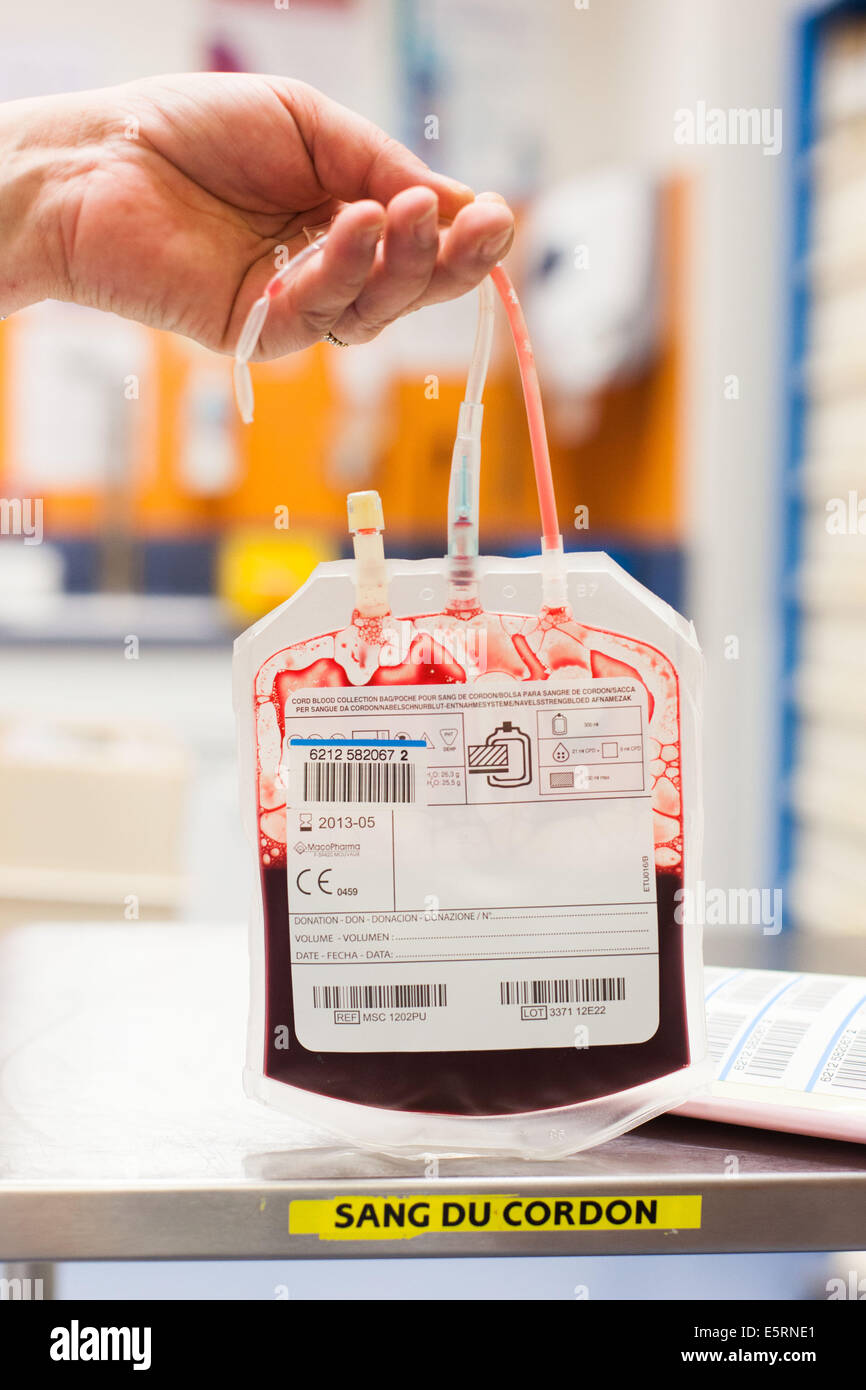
[(722, 1028), (372, 782), (815, 995), (776, 1049), (851, 1071), (751, 988), (380, 996), (562, 991)]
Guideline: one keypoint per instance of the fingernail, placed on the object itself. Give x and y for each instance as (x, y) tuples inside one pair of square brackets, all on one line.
[(426, 229), (490, 198), (496, 245)]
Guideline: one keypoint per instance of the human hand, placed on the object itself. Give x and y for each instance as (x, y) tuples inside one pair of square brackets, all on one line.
[(165, 200)]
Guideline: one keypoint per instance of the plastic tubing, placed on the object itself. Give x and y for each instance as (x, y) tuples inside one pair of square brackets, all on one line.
[(466, 459), (483, 344), (255, 322), (550, 534), (465, 480), (465, 469)]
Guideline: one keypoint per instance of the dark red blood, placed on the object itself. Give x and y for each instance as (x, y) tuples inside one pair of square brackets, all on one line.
[(473, 1083), (608, 668), (465, 1083)]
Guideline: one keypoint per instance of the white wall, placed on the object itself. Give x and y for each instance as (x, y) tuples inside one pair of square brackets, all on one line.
[(630, 64), (58, 46)]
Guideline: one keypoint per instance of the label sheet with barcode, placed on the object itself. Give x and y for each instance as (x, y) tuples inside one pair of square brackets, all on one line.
[(782, 1032), (470, 869)]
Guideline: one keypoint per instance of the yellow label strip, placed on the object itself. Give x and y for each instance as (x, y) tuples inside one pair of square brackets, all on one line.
[(401, 1218)]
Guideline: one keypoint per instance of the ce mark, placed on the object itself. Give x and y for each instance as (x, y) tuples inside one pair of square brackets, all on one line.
[(322, 881)]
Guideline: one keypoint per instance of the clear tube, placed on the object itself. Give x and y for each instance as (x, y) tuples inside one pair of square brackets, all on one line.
[(463, 495), (254, 324), (252, 329), (278, 281), (483, 343), (466, 459), (465, 480), (243, 389)]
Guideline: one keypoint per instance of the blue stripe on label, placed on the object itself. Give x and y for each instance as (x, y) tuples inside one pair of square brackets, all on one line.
[(755, 1021), (357, 743), (832, 1043), (726, 980)]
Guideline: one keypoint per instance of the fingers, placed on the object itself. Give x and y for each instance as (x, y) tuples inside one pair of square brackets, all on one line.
[(479, 236), (403, 268), (420, 265), (355, 159), (378, 265), (323, 289)]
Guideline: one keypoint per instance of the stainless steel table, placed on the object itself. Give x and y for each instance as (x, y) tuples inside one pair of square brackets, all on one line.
[(124, 1133)]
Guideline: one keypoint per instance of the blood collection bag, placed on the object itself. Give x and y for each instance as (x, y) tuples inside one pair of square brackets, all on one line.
[(471, 786), (472, 840)]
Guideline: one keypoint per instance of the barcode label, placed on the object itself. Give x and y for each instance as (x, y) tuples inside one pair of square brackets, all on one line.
[(815, 995), (381, 783), (410, 814), (380, 996), (362, 771), (851, 1070), (753, 988), (776, 1048), (589, 991), (803, 1033), (722, 1028)]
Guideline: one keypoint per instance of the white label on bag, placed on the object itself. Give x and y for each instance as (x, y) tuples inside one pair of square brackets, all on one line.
[(516, 909)]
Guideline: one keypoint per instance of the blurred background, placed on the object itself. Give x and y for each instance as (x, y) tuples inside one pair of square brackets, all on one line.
[(694, 290)]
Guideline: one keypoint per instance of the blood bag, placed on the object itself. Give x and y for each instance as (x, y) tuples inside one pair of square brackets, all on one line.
[(471, 787)]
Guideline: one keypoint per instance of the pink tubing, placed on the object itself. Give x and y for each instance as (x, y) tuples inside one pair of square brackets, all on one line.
[(534, 409), (551, 538)]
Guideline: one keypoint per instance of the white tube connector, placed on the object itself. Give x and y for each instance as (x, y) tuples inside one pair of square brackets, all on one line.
[(554, 579), (463, 502), (366, 523), (465, 481)]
